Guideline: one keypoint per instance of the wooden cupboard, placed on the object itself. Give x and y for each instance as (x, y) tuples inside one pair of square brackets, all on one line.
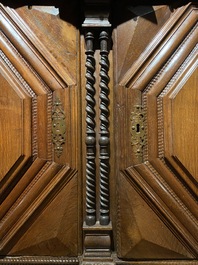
[(98, 132)]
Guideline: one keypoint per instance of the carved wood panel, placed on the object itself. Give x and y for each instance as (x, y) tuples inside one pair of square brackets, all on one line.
[(39, 135), (157, 190), (98, 133)]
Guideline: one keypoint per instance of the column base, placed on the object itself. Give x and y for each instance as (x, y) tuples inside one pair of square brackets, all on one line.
[(97, 241)]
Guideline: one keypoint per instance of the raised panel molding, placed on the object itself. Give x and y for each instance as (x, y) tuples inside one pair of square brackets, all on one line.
[(161, 48), (32, 50), (52, 234), (42, 188), (148, 233)]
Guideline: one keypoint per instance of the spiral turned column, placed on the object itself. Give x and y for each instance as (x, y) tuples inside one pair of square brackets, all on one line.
[(104, 130), (90, 132)]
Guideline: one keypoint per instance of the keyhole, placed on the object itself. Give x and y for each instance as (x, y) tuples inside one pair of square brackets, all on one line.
[(137, 128)]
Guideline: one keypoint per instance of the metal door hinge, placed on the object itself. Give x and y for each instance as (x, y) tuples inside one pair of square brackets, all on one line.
[(137, 130)]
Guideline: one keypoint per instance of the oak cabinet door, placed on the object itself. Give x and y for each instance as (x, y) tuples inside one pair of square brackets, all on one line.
[(39, 136), (157, 136)]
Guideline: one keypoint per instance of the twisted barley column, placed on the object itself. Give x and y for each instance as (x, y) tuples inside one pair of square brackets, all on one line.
[(90, 132), (104, 130)]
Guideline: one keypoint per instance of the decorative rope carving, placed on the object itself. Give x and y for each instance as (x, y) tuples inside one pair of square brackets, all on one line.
[(90, 131), (104, 131)]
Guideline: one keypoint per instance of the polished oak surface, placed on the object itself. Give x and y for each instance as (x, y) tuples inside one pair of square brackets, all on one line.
[(98, 133)]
